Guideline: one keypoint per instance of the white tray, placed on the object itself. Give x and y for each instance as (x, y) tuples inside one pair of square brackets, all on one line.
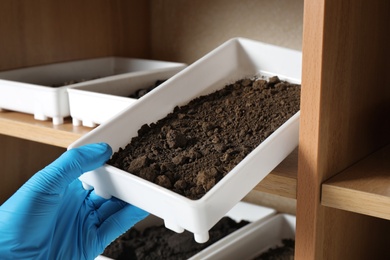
[(241, 211), (29, 90), (93, 104), (235, 59), (251, 240)]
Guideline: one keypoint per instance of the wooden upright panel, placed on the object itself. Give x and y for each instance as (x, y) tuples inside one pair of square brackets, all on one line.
[(20, 159), (47, 31), (344, 116)]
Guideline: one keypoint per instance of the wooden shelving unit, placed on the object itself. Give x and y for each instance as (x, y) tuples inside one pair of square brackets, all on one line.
[(344, 118), (340, 172)]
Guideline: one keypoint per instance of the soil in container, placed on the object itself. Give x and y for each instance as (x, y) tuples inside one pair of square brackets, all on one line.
[(136, 95), (141, 92), (283, 252), (70, 82), (158, 242), (196, 145)]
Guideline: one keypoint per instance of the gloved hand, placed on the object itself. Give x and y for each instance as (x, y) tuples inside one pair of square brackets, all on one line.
[(52, 217)]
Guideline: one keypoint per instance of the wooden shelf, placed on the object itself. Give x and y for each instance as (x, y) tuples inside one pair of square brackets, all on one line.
[(26, 127), (282, 180), (362, 188)]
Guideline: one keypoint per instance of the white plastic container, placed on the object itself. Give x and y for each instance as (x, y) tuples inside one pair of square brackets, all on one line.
[(233, 60), (30, 90), (251, 240), (241, 211), (93, 104)]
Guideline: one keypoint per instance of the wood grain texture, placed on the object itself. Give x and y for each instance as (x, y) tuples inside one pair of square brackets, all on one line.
[(344, 118), (20, 159), (362, 188), (283, 179), (24, 126), (307, 182), (279, 203), (46, 31)]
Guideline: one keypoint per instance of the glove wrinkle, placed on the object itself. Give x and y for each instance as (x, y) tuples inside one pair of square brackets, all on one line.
[(95, 200)]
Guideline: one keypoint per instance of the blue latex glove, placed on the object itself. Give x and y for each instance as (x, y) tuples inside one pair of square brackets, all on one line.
[(52, 217)]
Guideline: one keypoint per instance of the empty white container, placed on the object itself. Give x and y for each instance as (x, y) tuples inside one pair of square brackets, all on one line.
[(233, 60), (94, 103), (30, 90), (242, 211)]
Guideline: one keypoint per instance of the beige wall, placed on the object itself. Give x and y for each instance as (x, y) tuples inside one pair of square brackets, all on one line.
[(184, 31)]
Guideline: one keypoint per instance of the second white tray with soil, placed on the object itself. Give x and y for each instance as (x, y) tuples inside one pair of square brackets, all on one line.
[(42, 90), (93, 104)]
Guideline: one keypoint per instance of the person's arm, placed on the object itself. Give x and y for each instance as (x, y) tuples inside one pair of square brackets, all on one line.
[(52, 217)]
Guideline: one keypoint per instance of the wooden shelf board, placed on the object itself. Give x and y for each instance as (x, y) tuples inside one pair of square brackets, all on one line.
[(282, 180), (362, 188), (24, 126)]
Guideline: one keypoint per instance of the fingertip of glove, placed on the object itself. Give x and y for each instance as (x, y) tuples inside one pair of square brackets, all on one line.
[(84, 158), (104, 149), (107, 148)]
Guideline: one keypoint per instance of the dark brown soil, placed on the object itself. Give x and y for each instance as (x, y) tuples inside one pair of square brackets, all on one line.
[(158, 242), (195, 146), (70, 82), (141, 92), (284, 252)]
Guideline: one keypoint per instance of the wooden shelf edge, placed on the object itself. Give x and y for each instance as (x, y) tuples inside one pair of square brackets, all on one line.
[(278, 185), (356, 201), (24, 126), (363, 188), (282, 180)]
